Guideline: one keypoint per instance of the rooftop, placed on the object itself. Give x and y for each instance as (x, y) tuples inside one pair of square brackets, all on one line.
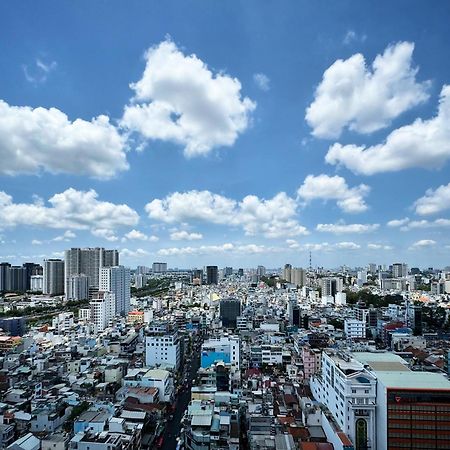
[(391, 370)]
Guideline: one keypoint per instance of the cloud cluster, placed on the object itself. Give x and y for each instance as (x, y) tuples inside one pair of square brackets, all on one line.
[(366, 99), (325, 187), (136, 235), (262, 81), (407, 224), (40, 139), (39, 71), (179, 99), (371, 246), (342, 228), (71, 209), (352, 36), (423, 144), (138, 253), (322, 246), (271, 218), (227, 248), (183, 235), (423, 243), (434, 201)]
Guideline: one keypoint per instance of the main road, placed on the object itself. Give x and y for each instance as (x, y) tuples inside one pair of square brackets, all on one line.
[(173, 427)]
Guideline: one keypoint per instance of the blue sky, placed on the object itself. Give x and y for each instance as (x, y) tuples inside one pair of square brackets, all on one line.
[(230, 133)]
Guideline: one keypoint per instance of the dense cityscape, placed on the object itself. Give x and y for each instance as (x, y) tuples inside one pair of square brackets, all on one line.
[(97, 356), (224, 225)]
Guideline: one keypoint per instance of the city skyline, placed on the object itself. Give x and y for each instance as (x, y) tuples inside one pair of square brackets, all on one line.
[(283, 150)]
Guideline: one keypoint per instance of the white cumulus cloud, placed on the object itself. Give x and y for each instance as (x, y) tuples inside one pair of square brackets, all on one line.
[(138, 253), (324, 187), (179, 99), (227, 248), (67, 236), (136, 235), (183, 235), (363, 98), (398, 222), (33, 140), (71, 209), (379, 247), (407, 224), (424, 243), (423, 144), (273, 218), (434, 201), (342, 228)]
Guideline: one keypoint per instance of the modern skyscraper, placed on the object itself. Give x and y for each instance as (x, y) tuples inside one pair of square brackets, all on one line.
[(159, 267), (212, 275), (399, 270), (102, 309), (298, 276), (230, 309), (260, 271), (117, 280), (87, 261), (4, 277), (287, 272), (30, 269), (197, 275), (331, 286), (37, 283), (18, 278), (53, 283), (78, 288)]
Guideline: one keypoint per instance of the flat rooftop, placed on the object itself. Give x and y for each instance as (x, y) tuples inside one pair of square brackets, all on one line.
[(392, 371)]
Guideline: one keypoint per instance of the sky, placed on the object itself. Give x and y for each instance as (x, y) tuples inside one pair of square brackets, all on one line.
[(231, 133)]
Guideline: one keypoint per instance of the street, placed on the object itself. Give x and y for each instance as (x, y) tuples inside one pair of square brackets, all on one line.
[(173, 427)]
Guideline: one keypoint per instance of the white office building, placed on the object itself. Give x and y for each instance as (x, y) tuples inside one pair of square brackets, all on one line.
[(159, 267), (63, 321), (103, 309), (162, 347), (117, 280), (399, 270), (331, 286), (78, 287), (349, 391), (355, 329), (37, 283)]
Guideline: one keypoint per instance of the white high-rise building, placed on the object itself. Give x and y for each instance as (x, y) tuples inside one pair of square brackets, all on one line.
[(260, 271), (78, 287), (287, 272), (399, 270), (53, 280), (87, 261), (140, 280), (37, 283), (361, 277), (159, 267), (103, 309), (117, 280), (355, 329), (162, 347), (63, 321), (349, 391), (331, 286), (298, 276)]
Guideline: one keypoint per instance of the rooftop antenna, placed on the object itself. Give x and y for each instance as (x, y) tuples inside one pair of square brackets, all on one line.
[(310, 264)]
